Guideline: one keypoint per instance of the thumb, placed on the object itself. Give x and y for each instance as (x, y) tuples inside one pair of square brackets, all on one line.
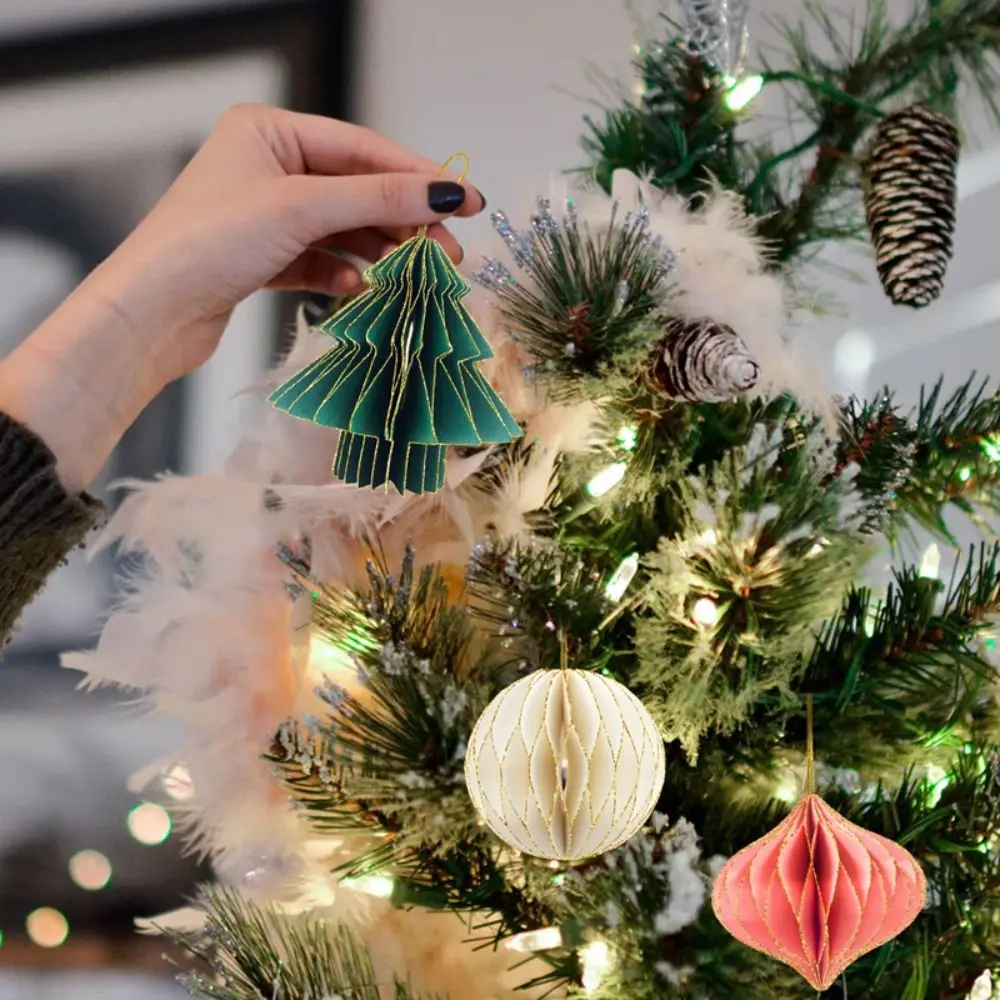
[(318, 206)]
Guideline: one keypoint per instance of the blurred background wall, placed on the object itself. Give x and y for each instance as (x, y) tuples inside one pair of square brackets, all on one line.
[(101, 102)]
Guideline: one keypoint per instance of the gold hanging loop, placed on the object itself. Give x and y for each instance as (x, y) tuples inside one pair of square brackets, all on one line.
[(461, 177)]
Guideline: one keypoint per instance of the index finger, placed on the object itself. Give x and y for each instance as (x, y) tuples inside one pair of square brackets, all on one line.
[(329, 146)]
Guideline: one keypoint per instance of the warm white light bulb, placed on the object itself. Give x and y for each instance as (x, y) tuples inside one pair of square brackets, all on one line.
[(544, 939), (595, 958), (623, 576), (326, 658), (628, 437), (786, 793), (930, 565), (705, 612), (742, 93), (607, 479), (372, 885), (708, 537)]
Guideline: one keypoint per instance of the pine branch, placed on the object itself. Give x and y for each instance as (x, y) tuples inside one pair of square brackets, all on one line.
[(914, 466), (260, 954), (682, 134), (896, 680), (768, 542), (390, 756), (585, 300)]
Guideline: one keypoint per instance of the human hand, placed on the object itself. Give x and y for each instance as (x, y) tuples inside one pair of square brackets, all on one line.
[(261, 204)]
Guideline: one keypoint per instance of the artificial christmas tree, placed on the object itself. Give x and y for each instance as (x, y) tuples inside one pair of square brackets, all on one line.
[(695, 528)]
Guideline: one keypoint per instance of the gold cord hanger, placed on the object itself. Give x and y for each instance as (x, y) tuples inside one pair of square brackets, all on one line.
[(461, 177), (810, 751)]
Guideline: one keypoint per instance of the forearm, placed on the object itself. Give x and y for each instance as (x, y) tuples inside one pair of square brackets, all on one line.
[(67, 395), (79, 382)]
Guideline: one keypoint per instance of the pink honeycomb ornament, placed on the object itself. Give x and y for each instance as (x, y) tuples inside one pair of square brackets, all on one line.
[(818, 892)]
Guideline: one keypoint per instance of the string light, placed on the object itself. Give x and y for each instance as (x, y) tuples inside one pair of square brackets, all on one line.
[(607, 479), (937, 782), (381, 886), (628, 437), (965, 473), (528, 942), (47, 927), (871, 620), (930, 565), (327, 658), (991, 447), (622, 577), (595, 959), (90, 870), (708, 538), (786, 793), (742, 92), (818, 548), (149, 824), (705, 612)]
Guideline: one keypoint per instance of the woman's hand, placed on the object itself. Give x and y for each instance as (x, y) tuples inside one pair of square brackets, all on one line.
[(260, 205)]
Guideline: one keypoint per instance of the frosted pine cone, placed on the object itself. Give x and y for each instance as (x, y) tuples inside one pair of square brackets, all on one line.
[(703, 362), (910, 197)]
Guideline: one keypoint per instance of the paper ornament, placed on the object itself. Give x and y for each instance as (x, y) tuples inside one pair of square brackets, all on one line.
[(565, 764), (818, 892), (401, 380)]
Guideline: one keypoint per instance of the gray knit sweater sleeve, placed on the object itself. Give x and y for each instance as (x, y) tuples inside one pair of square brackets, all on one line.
[(39, 521)]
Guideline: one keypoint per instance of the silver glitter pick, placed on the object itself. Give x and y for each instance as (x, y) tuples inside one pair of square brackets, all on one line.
[(544, 223), (638, 221), (493, 274), (521, 245), (668, 258), (570, 214)]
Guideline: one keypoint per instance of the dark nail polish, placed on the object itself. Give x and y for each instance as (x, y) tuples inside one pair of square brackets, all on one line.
[(445, 196), (482, 197)]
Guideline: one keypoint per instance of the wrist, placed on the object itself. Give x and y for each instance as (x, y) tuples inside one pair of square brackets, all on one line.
[(79, 381)]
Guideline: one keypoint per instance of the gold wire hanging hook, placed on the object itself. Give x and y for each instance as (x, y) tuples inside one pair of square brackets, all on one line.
[(461, 177), (810, 752), (563, 652)]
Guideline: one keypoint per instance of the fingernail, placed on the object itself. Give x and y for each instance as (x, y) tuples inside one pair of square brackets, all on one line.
[(445, 196), (482, 198)]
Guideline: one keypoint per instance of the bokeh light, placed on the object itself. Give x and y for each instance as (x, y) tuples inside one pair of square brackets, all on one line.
[(47, 927), (149, 824), (90, 870)]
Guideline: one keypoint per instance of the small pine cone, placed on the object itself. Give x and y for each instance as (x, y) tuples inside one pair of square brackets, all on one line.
[(910, 197), (703, 362)]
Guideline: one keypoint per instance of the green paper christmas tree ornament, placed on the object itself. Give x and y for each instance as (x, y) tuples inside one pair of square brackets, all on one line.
[(401, 381)]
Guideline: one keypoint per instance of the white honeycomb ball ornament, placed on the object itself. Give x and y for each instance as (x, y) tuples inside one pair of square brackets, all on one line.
[(565, 764)]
